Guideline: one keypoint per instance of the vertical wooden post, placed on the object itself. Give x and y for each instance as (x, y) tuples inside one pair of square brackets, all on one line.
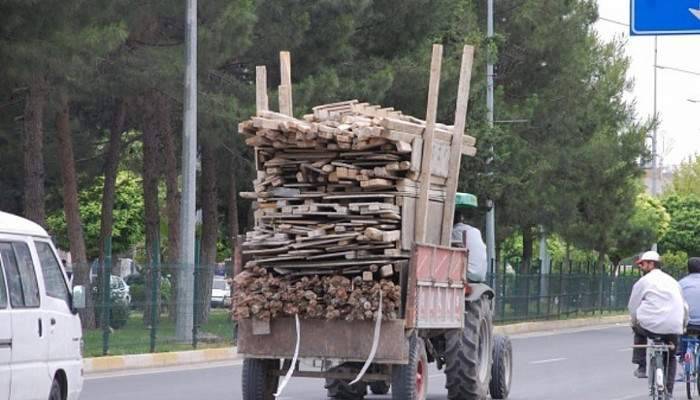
[(261, 102), (431, 115), (285, 88), (465, 77)]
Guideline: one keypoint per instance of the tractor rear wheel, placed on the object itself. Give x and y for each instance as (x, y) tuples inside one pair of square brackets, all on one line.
[(468, 353)]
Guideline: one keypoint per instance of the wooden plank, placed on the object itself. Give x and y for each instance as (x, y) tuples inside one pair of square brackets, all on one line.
[(285, 88), (441, 160), (431, 115), (465, 76), (417, 154), (261, 101)]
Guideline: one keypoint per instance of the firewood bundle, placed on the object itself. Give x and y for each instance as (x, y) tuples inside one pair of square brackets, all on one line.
[(264, 296), (335, 202)]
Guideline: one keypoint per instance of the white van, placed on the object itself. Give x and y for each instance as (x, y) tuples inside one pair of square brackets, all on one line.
[(40, 332)]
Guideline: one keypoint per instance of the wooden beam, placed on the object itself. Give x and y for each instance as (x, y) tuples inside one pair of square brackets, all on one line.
[(261, 102), (465, 76), (285, 88), (430, 119)]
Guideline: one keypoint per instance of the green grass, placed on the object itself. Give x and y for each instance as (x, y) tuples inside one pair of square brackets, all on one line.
[(134, 338)]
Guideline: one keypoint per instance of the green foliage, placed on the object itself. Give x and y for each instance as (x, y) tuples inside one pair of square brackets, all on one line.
[(684, 232), (128, 215), (119, 314), (675, 263), (648, 223), (686, 179)]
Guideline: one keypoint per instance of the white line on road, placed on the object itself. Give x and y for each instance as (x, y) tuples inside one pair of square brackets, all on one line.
[(547, 361), (632, 396)]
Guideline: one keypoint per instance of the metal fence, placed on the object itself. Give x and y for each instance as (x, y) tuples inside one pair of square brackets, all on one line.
[(137, 324), (564, 290)]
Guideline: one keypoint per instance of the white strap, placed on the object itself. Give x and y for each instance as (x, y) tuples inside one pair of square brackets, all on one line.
[(289, 374), (375, 342)]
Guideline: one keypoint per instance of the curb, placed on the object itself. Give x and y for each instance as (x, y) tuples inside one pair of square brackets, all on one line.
[(544, 326), (105, 364), (154, 360)]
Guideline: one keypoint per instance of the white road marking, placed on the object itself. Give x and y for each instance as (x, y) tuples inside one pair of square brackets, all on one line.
[(547, 361), (626, 349), (632, 396)]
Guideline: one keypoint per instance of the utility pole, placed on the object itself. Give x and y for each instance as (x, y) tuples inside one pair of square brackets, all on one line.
[(654, 158), (491, 215), (184, 320)]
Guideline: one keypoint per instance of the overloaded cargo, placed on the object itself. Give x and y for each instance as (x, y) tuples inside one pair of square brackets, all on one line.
[(335, 202)]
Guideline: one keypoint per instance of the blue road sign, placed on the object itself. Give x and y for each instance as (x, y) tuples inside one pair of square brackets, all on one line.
[(665, 17)]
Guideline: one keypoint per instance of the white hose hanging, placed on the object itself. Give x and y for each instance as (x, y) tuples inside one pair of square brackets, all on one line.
[(289, 374), (375, 342)]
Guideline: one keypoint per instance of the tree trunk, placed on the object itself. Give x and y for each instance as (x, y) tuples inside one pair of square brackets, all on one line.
[(528, 241), (523, 279), (34, 151), (151, 209), (172, 198), (210, 230), (81, 269), (110, 171), (233, 224)]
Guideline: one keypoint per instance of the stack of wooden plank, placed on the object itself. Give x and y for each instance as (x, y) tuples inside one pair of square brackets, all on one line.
[(332, 195)]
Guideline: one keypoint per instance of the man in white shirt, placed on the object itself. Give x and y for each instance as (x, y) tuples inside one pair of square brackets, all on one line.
[(469, 237), (657, 308)]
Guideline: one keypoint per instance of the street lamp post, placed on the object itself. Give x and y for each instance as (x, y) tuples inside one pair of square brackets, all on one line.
[(491, 215)]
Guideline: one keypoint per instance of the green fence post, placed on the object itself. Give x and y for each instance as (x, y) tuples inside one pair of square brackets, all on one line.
[(197, 277), (106, 294), (561, 289), (504, 277), (155, 283)]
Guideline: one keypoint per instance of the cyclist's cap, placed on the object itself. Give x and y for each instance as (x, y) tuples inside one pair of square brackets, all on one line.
[(649, 256)]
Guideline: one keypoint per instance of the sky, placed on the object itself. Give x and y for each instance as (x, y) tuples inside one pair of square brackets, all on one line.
[(679, 131)]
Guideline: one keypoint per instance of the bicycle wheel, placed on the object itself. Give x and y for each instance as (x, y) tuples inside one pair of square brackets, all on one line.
[(689, 368)]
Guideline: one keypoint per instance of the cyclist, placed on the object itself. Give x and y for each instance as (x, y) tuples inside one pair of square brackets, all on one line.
[(656, 307), (691, 293)]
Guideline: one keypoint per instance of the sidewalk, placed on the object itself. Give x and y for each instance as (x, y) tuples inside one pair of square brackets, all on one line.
[(154, 360)]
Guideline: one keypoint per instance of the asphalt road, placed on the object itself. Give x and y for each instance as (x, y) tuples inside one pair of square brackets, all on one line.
[(574, 365)]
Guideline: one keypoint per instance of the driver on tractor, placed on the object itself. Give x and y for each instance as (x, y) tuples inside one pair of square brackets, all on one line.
[(656, 308)]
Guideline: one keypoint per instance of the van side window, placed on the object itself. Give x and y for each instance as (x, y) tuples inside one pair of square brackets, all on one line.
[(3, 291), (53, 277), (21, 278)]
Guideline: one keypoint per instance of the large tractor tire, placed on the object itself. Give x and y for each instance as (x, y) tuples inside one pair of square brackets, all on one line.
[(468, 354), (410, 381), (342, 390), (260, 379), (502, 369)]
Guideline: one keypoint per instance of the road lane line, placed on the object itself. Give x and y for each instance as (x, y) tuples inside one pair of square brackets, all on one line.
[(547, 361), (632, 396)]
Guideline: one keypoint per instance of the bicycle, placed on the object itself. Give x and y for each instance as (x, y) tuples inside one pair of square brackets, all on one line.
[(691, 360), (656, 369)]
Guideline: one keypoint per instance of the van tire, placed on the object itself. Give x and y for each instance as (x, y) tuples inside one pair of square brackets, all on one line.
[(56, 392)]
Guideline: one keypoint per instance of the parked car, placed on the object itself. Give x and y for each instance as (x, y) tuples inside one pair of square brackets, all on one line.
[(40, 332), (220, 293)]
